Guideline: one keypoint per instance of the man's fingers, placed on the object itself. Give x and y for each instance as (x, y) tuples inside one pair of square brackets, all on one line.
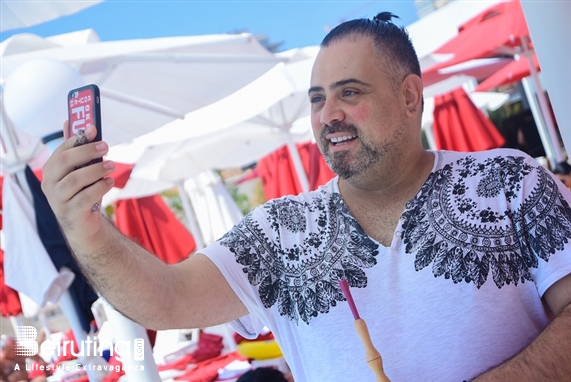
[(65, 130), (62, 163), (86, 198), (83, 135), (79, 216), (66, 173), (74, 182)]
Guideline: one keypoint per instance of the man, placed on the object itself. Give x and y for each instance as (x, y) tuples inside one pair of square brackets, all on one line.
[(563, 172), (13, 366), (459, 263)]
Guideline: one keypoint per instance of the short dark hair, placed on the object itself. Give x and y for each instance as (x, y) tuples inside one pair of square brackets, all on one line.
[(562, 168), (391, 42), (262, 374)]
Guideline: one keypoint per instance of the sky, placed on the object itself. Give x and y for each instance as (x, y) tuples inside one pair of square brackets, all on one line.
[(293, 23)]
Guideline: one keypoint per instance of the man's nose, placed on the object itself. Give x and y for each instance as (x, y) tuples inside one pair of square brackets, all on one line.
[(331, 112)]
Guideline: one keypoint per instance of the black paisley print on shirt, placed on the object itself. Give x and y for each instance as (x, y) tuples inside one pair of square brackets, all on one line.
[(448, 230), (444, 228), (303, 279)]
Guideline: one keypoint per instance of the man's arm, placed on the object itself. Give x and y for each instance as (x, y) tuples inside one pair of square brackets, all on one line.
[(192, 293), (548, 357)]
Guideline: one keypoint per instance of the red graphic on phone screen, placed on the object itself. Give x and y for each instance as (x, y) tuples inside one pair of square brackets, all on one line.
[(81, 110)]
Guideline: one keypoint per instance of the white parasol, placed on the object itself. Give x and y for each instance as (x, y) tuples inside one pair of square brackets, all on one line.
[(149, 82), (235, 131), (21, 14)]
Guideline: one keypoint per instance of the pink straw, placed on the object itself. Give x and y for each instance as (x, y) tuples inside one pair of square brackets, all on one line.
[(347, 293)]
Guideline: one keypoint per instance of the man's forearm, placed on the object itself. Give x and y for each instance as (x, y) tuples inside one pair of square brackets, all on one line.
[(126, 275), (547, 358)]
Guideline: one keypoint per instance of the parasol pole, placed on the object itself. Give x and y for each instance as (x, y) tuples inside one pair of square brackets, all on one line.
[(44, 320), (216, 181), (190, 215), (429, 134), (16, 321), (298, 165), (539, 122), (552, 50), (543, 104), (201, 191), (132, 345)]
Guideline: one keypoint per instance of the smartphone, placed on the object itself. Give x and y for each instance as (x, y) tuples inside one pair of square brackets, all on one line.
[(84, 109)]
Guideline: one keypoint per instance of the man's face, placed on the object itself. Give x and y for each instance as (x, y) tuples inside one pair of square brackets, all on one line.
[(355, 115)]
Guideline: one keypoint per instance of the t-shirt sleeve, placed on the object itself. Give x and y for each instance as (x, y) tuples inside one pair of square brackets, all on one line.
[(248, 326), (231, 254), (546, 225)]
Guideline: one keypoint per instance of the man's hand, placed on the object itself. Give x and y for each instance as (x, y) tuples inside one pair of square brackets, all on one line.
[(190, 294), (72, 191)]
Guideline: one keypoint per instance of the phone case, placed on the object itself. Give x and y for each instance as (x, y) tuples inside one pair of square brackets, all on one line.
[(84, 109)]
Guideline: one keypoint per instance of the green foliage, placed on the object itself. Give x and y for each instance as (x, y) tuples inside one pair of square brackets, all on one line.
[(259, 196), (110, 212), (173, 200), (424, 140), (240, 199)]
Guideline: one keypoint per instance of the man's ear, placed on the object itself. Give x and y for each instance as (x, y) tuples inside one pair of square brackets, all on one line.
[(412, 88)]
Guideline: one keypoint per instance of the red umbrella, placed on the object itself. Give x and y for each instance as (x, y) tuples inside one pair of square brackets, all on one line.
[(1, 187), (496, 31), (121, 174), (278, 172), (502, 30), (151, 223), (10, 301), (459, 125), (319, 171), (512, 72)]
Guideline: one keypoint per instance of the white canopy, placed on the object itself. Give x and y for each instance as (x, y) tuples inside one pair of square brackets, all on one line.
[(235, 131), (21, 14), (149, 82)]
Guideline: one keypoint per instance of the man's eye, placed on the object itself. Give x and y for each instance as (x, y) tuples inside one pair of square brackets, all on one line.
[(315, 99), (348, 93)]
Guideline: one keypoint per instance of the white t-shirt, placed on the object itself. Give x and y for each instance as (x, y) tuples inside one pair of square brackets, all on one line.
[(457, 292)]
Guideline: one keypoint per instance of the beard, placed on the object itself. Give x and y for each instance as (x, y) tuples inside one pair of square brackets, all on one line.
[(343, 163)]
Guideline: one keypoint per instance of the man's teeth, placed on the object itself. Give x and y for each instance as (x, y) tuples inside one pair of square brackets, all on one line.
[(343, 138)]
